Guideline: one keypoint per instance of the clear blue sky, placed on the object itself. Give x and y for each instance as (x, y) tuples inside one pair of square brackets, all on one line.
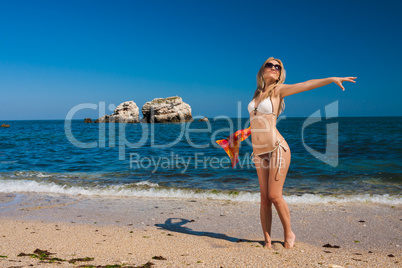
[(57, 54)]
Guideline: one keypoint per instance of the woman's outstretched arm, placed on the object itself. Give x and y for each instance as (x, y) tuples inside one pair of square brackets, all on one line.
[(287, 90)]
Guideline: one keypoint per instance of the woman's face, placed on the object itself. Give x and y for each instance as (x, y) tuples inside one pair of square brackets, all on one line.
[(271, 70)]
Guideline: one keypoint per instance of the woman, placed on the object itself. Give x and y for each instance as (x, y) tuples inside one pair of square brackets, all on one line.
[(271, 151)]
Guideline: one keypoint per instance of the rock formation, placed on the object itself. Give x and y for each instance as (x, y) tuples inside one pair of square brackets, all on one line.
[(167, 110), (127, 112), (88, 120), (204, 119)]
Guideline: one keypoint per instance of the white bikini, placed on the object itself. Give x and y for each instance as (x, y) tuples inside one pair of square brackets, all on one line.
[(266, 107)]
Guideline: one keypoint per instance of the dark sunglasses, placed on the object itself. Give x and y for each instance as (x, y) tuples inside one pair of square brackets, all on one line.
[(269, 65)]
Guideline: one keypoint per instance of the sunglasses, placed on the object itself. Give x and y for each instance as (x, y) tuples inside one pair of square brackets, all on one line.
[(269, 65)]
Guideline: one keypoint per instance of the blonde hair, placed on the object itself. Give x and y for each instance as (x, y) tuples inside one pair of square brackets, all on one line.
[(261, 83)]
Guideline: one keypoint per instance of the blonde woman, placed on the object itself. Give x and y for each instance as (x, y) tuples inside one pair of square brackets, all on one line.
[(271, 151)]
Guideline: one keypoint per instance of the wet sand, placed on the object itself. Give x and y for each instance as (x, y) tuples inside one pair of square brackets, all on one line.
[(133, 232)]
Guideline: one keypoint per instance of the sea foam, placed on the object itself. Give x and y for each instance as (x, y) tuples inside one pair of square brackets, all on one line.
[(153, 190)]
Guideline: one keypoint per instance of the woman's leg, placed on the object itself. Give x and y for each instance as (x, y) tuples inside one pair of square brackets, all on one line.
[(277, 175), (261, 164)]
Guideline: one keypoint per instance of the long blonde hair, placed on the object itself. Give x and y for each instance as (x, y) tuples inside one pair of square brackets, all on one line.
[(261, 83)]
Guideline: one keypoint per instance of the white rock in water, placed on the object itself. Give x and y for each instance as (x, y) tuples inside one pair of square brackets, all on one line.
[(168, 110), (126, 112)]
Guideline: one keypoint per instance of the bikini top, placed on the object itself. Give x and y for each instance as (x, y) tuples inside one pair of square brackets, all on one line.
[(265, 107)]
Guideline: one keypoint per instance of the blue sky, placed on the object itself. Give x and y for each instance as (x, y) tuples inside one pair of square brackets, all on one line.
[(55, 55)]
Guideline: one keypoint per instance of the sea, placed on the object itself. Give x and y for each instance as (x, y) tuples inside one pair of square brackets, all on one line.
[(335, 160)]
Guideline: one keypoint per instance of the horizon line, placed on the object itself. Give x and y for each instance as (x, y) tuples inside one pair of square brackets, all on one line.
[(208, 118)]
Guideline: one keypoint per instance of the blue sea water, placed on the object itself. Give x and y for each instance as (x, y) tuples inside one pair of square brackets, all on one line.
[(344, 159)]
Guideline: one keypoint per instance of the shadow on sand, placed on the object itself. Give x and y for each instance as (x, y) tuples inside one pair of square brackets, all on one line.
[(177, 225)]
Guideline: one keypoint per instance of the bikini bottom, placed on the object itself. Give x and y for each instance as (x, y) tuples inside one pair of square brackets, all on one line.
[(278, 156)]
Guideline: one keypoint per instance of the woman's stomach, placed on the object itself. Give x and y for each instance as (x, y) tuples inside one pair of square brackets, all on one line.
[(264, 134)]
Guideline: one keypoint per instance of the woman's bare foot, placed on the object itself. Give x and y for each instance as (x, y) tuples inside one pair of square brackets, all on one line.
[(290, 241), (267, 244)]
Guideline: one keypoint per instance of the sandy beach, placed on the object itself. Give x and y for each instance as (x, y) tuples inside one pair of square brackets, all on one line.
[(80, 231)]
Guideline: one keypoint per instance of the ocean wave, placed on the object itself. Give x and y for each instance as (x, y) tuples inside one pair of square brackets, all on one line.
[(28, 174), (8, 162), (153, 190)]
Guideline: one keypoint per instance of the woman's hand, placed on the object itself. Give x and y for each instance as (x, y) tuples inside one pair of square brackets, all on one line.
[(340, 80)]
